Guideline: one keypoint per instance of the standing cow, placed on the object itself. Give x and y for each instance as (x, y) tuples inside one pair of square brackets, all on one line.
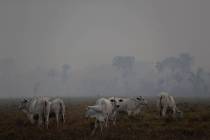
[(167, 106), (57, 109), (101, 112), (131, 106), (37, 107)]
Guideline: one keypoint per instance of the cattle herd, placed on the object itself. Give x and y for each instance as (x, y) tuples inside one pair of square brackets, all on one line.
[(105, 111), (42, 108)]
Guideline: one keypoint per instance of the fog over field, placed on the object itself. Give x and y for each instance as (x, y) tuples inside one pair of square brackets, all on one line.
[(104, 47)]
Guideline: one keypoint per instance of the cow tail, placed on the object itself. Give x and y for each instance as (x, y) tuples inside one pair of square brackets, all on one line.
[(159, 104), (161, 98), (44, 111)]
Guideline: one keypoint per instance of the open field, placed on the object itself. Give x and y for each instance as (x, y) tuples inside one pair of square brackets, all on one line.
[(194, 126)]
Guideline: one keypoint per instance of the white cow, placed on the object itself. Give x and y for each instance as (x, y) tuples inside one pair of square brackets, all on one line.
[(57, 109), (131, 106), (101, 112), (167, 106), (37, 107)]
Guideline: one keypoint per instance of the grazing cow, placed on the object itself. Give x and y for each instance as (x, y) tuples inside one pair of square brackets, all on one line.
[(131, 106), (167, 106), (57, 109), (101, 112), (37, 107)]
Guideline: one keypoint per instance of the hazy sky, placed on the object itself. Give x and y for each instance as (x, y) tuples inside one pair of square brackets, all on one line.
[(82, 32)]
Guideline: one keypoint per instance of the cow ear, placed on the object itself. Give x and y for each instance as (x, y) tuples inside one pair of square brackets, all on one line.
[(25, 100)]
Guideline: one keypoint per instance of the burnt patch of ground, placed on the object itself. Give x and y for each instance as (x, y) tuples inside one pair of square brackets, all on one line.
[(195, 124)]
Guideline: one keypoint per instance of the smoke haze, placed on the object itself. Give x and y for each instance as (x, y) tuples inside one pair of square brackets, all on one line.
[(67, 47)]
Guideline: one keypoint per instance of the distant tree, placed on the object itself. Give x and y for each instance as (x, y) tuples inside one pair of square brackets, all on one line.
[(123, 61), (174, 72), (186, 62), (124, 65), (182, 64), (199, 80)]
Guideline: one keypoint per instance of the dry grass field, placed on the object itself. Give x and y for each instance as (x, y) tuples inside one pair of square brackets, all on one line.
[(194, 126)]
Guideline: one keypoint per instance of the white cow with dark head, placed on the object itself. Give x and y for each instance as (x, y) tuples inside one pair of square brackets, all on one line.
[(57, 109), (167, 106), (37, 107), (101, 112)]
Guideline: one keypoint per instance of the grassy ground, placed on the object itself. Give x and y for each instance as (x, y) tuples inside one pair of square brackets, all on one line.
[(194, 126)]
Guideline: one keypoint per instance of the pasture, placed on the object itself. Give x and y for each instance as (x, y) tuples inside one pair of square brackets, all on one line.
[(194, 126)]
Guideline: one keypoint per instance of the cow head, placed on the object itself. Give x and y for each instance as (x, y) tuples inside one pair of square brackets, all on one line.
[(141, 100), (115, 102), (120, 102), (23, 104), (87, 112)]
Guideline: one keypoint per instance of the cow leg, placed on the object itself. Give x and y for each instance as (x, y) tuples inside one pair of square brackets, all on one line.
[(114, 122), (57, 119), (101, 127), (164, 112), (106, 121), (141, 112), (133, 113), (47, 115), (136, 112), (62, 118), (161, 109), (115, 119), (160, 112), (174, 113), (129, 113), (40, 121), (95, 127), (31, 118), (47, 121)]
